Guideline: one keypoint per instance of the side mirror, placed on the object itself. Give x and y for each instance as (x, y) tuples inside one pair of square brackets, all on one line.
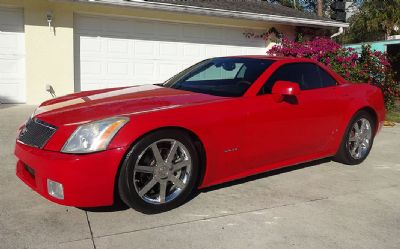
[(284, 88)]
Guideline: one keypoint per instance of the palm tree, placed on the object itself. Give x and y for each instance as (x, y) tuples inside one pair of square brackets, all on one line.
[(320, 4)]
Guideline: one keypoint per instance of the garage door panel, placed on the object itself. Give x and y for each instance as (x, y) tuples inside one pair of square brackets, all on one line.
[(90, 45), (144, 70), (250, 50), (118, 46), (10, 67), (91, 67), (144, 49), (168, 49), (132, 51), (12, 56), (88, 87), (166, 70), (234, 50), (215, 50), (9, 43), (193, 50), (118, 68), (10, 91)]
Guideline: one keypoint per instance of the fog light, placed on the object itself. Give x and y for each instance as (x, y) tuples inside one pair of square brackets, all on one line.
[(55, 189)]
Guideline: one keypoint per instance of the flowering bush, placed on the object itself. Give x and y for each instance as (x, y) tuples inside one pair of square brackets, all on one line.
[(369, 67)]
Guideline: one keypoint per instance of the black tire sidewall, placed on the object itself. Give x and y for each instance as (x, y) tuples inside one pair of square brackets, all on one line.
[(125, 183), (345, 153)]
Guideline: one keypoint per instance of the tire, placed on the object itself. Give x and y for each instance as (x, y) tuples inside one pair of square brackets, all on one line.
[(348, 153), (145, 172)]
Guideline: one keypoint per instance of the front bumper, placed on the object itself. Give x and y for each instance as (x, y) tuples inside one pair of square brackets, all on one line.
[(88, 180)]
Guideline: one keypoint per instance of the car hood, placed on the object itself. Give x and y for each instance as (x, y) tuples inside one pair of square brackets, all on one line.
[(94, 105)]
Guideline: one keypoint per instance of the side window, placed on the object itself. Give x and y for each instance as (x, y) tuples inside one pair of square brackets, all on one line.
[(326, 79), (310, 76), (307, 75), (288, 72)]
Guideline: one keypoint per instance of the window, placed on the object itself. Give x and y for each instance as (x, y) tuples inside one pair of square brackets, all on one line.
[(217, 72), (310, 78), (307, 75), (286, 72), (227, 76), (326, 79)]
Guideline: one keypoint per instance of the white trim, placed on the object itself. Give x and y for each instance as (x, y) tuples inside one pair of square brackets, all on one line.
[(155, 18), (216, 12)]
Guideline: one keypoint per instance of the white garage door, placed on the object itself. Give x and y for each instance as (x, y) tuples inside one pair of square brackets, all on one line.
[(12, 56), (114, 52)]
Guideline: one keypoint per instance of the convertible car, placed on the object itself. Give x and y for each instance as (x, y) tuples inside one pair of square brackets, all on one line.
[(217, 121)]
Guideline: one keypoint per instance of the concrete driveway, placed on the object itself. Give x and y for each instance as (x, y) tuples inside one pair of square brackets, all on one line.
[(316, 205)]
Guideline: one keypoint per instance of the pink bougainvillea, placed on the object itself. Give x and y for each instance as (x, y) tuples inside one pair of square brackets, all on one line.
[(368, 67)]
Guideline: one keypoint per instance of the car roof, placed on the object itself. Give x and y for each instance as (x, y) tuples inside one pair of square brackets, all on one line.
[(268, 57)]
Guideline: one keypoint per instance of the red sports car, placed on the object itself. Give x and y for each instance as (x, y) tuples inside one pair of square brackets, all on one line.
[(219, 120)]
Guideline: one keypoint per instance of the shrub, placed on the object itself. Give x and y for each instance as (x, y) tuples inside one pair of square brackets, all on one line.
[(371, 67)]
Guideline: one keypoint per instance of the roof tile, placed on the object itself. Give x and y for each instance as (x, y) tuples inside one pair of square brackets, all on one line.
[(252, 6)]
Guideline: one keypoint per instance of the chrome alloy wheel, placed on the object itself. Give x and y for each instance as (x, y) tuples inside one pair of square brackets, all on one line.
[(162, 171), (359, 141)]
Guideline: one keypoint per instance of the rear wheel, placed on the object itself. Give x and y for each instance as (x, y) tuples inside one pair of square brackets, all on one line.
[(159, 172), (358, 139)]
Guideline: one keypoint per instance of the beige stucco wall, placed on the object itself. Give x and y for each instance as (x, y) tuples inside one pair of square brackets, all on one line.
[(50, 53)]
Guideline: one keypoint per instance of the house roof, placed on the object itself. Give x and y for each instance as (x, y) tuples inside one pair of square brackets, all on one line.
[(242, 9), (251, 6)]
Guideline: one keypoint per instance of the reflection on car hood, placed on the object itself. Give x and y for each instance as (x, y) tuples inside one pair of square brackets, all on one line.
[(93, 105)]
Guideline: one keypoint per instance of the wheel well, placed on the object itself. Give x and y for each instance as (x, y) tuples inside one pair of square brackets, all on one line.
[(196, 140), (373, 115)]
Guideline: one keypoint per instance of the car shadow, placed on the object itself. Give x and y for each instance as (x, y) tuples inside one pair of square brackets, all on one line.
[(266, 174), (120, 206)]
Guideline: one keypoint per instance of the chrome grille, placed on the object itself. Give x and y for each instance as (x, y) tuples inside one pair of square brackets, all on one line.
[(36, 133)]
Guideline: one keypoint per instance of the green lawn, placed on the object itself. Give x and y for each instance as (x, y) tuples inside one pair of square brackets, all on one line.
[(393, 116)]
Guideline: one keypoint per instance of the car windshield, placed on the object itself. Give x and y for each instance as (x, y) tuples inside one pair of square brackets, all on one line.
[(227, 77)]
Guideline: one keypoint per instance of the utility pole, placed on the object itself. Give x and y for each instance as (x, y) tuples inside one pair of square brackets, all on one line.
[(320, 5), (341, 10)]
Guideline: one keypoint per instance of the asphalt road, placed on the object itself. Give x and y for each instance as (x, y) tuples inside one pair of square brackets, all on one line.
[(322, 204)]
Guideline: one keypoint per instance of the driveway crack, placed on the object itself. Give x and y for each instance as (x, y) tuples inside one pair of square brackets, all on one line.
[(90, 229), (322, 198), (213, 217)]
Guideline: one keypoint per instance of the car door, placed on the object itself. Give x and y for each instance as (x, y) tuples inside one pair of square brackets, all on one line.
[(297, 128)]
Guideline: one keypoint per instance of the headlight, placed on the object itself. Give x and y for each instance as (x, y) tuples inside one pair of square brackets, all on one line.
[(94, 136)]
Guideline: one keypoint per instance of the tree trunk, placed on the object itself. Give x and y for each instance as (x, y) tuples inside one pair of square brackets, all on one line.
[(320, 4)]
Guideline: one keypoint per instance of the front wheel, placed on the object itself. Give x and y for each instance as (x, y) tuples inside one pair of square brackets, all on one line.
[(159, 172), (358, 139)]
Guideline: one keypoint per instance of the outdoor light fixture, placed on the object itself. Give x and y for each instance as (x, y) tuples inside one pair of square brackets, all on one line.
[(49, 17)]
